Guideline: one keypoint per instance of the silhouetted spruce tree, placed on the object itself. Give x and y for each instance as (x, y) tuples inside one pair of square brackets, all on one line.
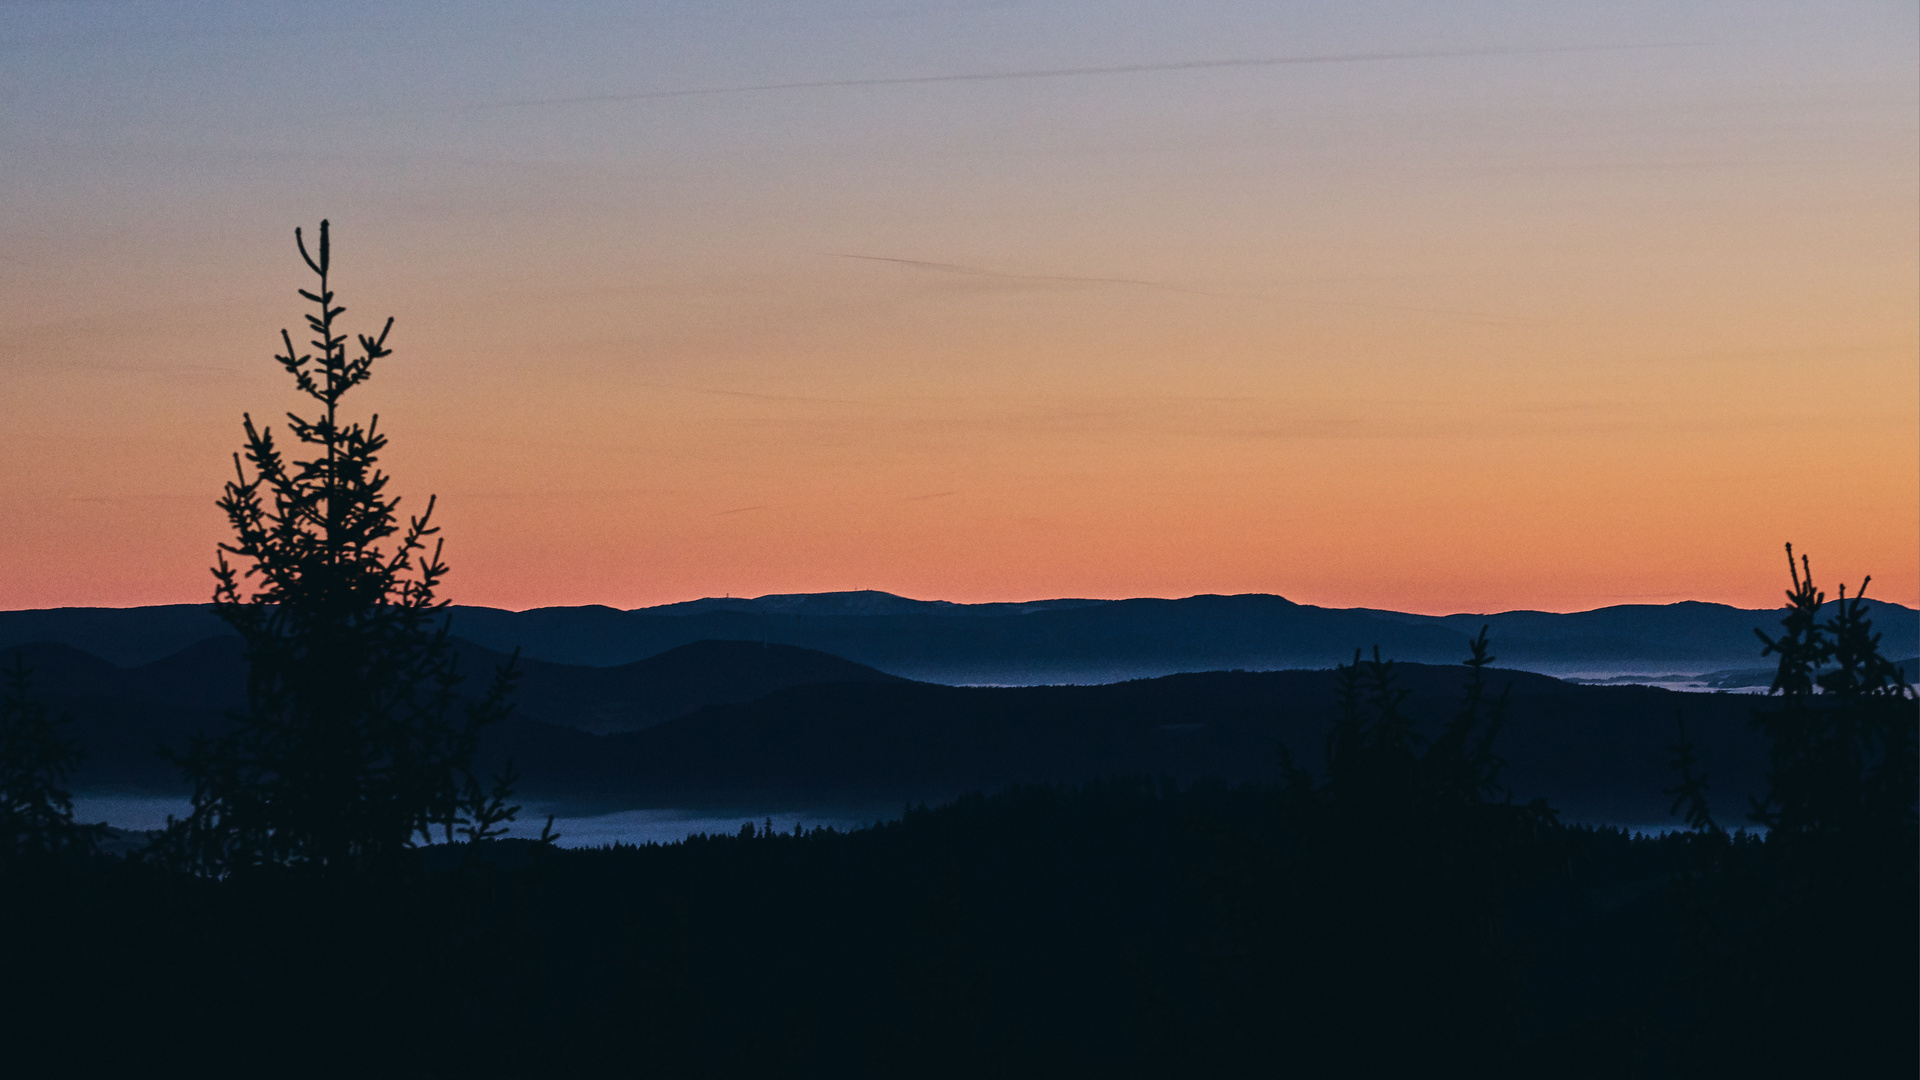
[(1815, 969), (354, 745), (1364, 945), (1843, 758), (36, 810)]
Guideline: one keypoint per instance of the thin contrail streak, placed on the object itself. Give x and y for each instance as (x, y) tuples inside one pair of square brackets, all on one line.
[(1066, 73)]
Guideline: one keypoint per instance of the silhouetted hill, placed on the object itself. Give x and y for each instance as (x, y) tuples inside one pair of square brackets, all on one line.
[(629, 697), (1051, 641), (122, 713), (1599, 753), (125, 636), (708, 734)]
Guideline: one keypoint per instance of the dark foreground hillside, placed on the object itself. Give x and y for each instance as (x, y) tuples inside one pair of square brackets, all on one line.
[(1039, 932)]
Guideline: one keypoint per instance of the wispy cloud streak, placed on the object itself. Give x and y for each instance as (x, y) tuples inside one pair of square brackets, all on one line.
[(1075, 72), (1147, 283), (976, 271)]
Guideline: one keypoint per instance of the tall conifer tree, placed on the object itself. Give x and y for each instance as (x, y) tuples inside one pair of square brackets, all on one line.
[(355, 744)]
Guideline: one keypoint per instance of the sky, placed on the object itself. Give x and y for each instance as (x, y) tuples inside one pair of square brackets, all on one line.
[(1433, 307)]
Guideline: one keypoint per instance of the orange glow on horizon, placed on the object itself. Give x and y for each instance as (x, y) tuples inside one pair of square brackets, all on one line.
[(1495, 332)]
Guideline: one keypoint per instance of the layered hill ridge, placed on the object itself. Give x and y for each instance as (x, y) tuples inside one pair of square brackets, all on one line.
[(737, 700), (1047, 641), (1595, 753), (123, 715), (209, 677), (639, 695), (749, 724)]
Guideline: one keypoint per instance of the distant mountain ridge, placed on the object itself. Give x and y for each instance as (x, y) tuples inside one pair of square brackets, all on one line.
[(864, 602), (1044, 641)]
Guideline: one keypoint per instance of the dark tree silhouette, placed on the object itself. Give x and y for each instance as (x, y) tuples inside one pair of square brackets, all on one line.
[(1362, 943), (1811, 949), (36, 810), (1844, 737), (355, 744)]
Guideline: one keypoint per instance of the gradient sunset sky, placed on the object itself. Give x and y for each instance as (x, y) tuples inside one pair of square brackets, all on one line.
[(1434, 307)]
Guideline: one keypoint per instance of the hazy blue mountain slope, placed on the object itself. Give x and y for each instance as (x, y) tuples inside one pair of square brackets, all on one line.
[(1687, 633), (1107, 641), (1055, 641), (124, 636)]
